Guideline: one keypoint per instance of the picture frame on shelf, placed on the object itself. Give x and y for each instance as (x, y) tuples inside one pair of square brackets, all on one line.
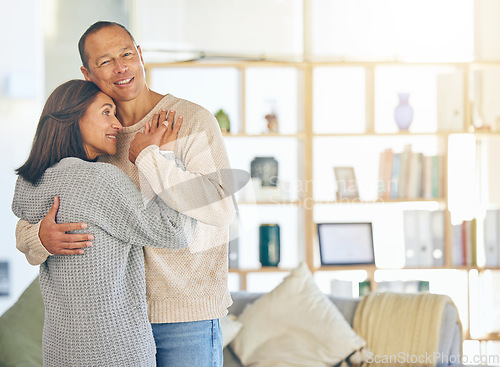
[(346, 243), (347, 187)]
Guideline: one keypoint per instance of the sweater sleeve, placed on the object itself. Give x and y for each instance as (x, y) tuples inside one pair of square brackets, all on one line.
[(203, 187), (28, 242), (116, 205)]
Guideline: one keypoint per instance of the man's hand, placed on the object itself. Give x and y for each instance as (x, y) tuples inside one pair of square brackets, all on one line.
[(55, 239), (161, 132)]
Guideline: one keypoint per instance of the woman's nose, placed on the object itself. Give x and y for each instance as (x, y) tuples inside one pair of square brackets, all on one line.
[(117, 125)]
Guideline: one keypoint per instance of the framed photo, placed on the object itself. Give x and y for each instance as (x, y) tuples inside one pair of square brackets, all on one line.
[(347, 188), (346, 243)]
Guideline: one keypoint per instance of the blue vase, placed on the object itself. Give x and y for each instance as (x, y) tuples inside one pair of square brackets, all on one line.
[(269, 244), (403, 113)]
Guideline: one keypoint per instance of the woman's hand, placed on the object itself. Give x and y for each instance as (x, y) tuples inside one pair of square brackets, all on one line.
[(161, 132), (164, 122)]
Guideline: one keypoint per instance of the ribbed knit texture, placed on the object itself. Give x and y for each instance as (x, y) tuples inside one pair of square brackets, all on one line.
[(95, 309), (181, 285), (185, 285)]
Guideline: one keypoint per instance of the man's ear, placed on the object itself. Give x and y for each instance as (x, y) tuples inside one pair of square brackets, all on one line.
[(140, 54), (85, 73)]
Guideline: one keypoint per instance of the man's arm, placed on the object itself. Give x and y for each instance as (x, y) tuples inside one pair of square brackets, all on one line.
[(39, 241), (203, 188)]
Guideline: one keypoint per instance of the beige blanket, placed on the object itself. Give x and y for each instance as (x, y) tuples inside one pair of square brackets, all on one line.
[(401, 329)]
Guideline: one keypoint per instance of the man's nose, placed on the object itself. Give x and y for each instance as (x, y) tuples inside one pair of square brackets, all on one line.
[(121, 67)]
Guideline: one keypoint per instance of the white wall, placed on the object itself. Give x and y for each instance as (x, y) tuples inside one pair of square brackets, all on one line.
[(64, 23), (39, 41), (21, 93)]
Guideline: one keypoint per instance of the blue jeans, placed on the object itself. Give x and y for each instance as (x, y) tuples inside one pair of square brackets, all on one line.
[(188, 344)]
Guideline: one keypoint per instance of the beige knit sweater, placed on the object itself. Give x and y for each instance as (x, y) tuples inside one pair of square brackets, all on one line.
[(182, 285)]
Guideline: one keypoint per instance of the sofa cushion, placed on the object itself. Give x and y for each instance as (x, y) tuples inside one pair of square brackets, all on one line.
[(21, 329), (230, 328), (295, 324)]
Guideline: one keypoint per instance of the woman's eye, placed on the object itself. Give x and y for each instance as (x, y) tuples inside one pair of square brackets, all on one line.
[(107, 113)]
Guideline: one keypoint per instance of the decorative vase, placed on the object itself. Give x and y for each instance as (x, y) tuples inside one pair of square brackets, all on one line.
[(269, 244), (403, 113)]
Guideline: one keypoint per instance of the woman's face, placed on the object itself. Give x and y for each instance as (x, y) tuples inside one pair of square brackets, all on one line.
[(99, 127)]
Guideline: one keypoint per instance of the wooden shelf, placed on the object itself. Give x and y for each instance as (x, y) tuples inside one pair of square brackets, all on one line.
[(345, 267), (306, 137), (345, 202), (264, 269), (285, 202), (266, 136), (485, 338), (375, 134)]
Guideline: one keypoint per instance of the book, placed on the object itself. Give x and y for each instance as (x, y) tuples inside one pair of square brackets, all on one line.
[(404, 168), (395, 176), (473, 241), (385, 173), (456, 245), (491, 253), (427, 177), (411, 239), (424, 247), (438, 238), (424, 238), (469, 243), (414, 185), (435, 177)]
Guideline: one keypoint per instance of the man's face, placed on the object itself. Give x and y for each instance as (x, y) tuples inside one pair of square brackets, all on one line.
[(115, 64)]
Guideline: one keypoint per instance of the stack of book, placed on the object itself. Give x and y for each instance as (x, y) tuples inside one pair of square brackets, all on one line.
[(424, 238), (410, 175), (464, 243)]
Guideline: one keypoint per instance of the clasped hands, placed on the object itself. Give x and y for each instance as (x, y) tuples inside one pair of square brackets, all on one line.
[(161, 132)]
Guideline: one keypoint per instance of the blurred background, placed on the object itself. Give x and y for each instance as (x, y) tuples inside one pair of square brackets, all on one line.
[(445, 53)]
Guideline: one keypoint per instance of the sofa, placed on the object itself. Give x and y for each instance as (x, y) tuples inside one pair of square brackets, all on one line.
[(450, 337), (21, 326)]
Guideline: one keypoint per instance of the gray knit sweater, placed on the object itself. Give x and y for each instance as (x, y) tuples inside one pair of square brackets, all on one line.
[(95, 304)]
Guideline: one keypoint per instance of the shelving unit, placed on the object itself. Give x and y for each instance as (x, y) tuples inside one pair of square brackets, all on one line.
[(306, 137)]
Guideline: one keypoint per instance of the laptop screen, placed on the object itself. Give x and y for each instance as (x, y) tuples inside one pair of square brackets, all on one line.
[(346, 243)]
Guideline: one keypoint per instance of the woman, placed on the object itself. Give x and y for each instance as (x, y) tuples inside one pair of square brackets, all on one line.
[(95, 304)]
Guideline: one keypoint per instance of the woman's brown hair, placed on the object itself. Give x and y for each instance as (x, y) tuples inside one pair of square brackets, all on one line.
[(58, 133)]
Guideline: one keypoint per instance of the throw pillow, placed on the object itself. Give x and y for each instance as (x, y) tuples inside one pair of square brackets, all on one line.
[(295, 325), (21, 329), (230, 328)]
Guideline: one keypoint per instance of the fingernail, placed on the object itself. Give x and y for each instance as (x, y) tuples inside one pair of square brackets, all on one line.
[(80, 252), (84, 225), (180, 117), (172, 111), (88, 244), (91, 237)]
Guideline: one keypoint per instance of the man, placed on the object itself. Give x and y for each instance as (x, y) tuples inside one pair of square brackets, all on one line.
[(186, 289)]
